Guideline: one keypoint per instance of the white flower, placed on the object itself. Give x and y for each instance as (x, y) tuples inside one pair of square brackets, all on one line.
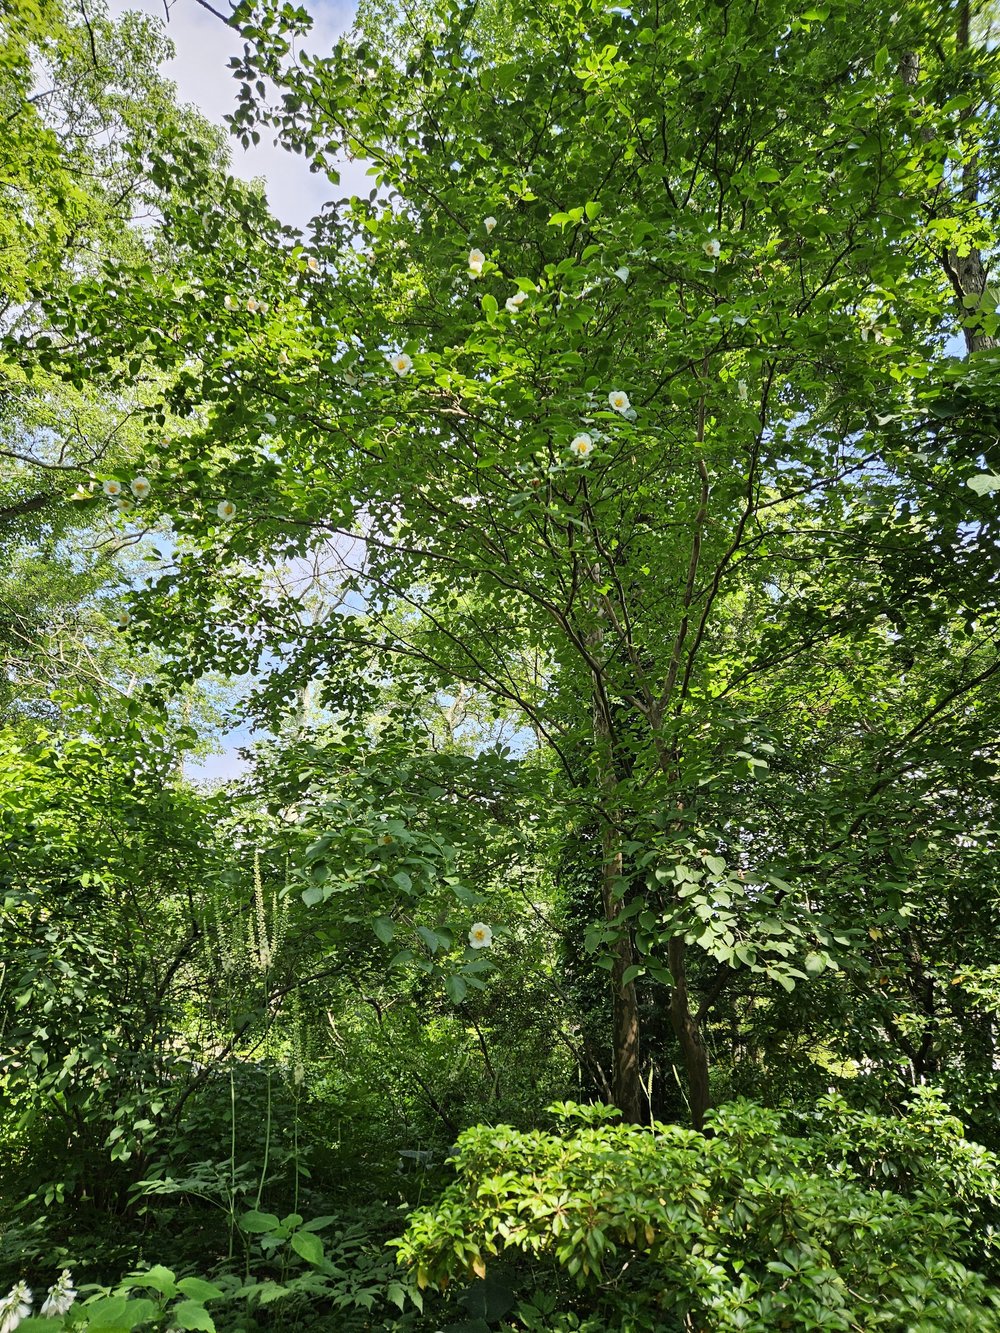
[(476, 261), (112, 488), (401, 364), (140, 488), (312, 264), (480, 936), (514, 301), (282, 358), (742, 390), (226, 510), (712, 249), (16, 1305), (618, 400), (124, 505), (263, 307), (123, 619), (581, 444), (229, 303), (251, 305), (61, 1295), (622, 273), (489, 224)]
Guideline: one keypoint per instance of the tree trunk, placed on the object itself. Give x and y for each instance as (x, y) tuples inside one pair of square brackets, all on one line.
[(687, 1029), (626, 1086), (967, 273)]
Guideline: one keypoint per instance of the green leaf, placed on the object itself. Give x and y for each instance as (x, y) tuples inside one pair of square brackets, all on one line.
[(984, 484), (318, 847), (384, 927), (198, 1289), (157, 1278), (430, 938), (118, 1312), (881, 59), (259, 1224), (456, 988), (190, 1314), (308, 1245)]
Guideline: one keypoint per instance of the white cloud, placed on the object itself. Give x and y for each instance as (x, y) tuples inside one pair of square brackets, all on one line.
[(204, 46)]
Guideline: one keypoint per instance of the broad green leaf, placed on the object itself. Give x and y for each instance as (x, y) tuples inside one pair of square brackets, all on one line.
[(308, 1245), (191, 1314)]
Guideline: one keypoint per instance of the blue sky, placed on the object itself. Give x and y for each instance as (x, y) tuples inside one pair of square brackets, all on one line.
[(200, 69)]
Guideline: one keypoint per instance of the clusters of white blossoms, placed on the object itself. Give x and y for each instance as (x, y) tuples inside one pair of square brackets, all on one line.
[(582, 444), (139, 486), (16, 1305), (480, 936), (61, 1296), (476, 257), (254, 306)]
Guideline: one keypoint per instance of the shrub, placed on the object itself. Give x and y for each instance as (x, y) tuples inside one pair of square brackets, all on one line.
[(751, 1228)]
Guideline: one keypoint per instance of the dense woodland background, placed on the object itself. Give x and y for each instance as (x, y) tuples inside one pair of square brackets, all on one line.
[(597, 527)]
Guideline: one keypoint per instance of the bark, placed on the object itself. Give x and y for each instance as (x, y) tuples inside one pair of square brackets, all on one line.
[(626, 1088), (966, 273), (687, 1029), (626, 1083)]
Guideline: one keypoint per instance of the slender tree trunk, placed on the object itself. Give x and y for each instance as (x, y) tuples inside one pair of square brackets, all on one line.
[(966, 272), (687, 1029), (626, 1083)]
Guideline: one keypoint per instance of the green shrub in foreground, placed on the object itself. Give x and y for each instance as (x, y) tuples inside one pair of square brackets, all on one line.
[(751, 1229)]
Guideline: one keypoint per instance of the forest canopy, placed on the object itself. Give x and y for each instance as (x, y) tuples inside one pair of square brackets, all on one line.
[(594, 527)]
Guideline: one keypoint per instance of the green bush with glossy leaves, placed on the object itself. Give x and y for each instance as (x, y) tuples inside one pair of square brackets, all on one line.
[(751, 1228)]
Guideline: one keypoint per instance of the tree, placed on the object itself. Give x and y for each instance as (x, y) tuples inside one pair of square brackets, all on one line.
[(634, 355)]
